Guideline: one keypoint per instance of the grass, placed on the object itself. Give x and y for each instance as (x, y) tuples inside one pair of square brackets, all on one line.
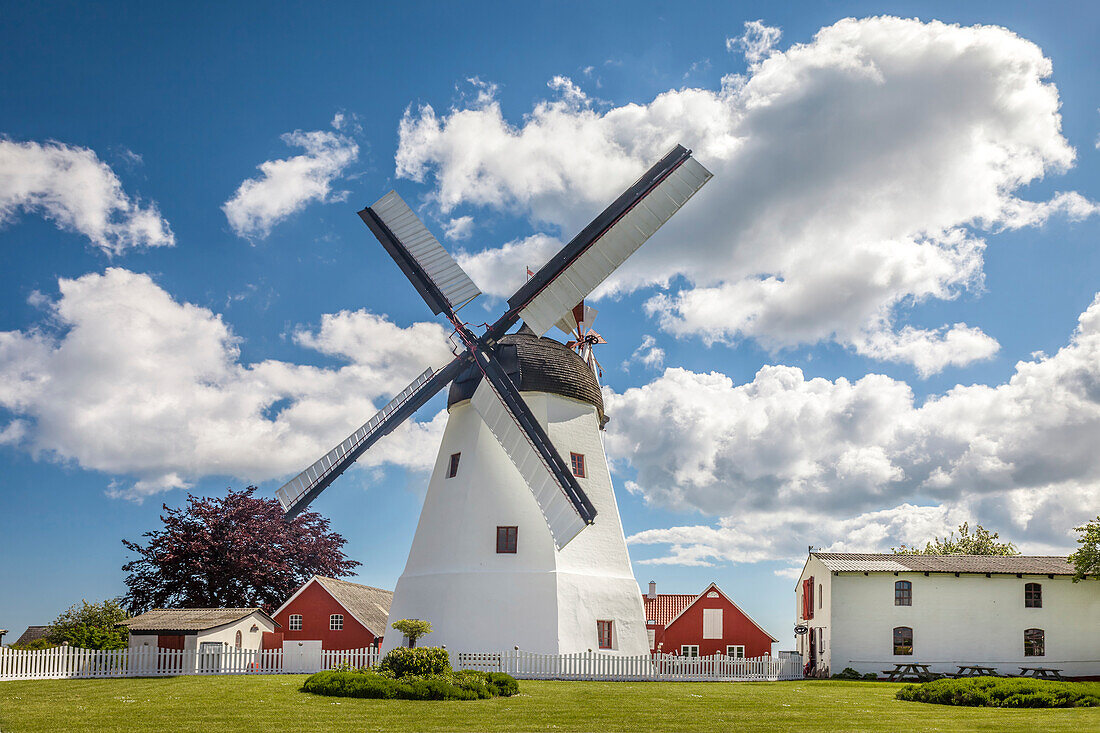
[(273, 702)]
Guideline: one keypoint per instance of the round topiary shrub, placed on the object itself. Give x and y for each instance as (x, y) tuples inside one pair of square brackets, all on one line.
[(425, 660)]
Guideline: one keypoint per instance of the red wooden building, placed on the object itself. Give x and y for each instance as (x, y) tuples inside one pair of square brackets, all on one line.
[(702, 625), (339, 614)]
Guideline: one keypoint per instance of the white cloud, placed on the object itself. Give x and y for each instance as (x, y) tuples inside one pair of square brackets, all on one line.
[(286, 186), (500, 272), (648, 354), (929, 351), (459, 229), (757, 42), (854, 174), (138, 385), (825, 458), (78, 192)]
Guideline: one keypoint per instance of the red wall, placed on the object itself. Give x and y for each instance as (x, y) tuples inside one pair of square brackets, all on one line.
[(736, 629), (316, 605)]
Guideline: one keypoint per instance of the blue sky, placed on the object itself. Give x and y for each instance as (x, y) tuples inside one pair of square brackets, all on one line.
[(824, 349)]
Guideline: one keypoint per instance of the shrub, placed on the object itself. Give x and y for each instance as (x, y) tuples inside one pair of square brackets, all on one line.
[(870, 676), (425, 660), (847, 674), (464, 685), (1004, 692)]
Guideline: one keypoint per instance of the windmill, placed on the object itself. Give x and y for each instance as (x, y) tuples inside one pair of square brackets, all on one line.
[(488, 374), (585, 339)]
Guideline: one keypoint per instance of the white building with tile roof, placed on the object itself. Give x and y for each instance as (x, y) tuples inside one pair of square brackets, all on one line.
[(872, 611)]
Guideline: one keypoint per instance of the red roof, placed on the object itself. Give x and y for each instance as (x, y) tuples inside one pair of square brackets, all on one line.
[(666, 606)]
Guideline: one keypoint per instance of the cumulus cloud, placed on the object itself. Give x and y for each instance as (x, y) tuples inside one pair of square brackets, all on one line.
[(757, 42), (1020, 455), (501, 271), (855, 173), (286, 186), (136, 384), (648, 354), (458, 229), (80, 193)]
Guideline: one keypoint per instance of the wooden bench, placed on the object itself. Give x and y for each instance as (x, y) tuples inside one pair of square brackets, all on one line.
[(1041, 673), (904, 672), (975, 670)]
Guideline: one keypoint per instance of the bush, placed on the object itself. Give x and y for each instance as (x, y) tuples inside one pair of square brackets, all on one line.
[(464, 685), (870, 676), (1000, 692), (425, 660), (847, 674)]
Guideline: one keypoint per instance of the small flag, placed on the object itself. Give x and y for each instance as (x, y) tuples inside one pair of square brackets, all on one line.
[(529, 273)]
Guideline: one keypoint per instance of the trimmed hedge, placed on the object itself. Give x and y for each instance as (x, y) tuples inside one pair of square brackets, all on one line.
[(1002, 692), (464, 685), (426, 660)]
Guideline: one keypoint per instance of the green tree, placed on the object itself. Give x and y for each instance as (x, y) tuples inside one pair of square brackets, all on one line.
[(981, 542), (413, 628), (91, 626), (1086, 559)]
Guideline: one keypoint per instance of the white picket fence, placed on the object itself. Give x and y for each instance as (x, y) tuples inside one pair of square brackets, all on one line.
[(73, 663)]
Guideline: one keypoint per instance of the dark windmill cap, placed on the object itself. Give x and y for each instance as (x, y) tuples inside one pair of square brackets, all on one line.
[(536, 365)]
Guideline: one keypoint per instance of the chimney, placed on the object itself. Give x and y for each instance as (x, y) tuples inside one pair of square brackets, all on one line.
[(652, 589)]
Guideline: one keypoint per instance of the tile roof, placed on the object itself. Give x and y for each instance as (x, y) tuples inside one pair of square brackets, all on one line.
[(371, 606), (187, 619), (1022, 564), (666, 606), (33, 633)]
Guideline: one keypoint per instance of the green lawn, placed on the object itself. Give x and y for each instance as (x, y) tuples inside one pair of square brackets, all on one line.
[(265, 703)]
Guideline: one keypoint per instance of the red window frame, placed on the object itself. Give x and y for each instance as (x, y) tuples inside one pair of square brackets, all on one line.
[(808, 598), (577, 462), (507, 540), (452, 469), (604, 632)]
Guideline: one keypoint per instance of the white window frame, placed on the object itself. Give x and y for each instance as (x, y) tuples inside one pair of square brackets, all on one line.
[(737, 651), (336, 622), (712, 623), (689, 650), (294, 623)]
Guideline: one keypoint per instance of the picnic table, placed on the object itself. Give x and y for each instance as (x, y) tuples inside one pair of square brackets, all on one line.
[(907, 671), (975, 670), (1041, 673)]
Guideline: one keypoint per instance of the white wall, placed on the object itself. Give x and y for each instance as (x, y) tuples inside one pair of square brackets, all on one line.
[(822, 618), (539, 599), (971, 619)]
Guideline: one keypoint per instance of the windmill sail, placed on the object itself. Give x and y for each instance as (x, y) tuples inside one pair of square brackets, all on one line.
[(605, 244), (432, 270), (297, 493), (563, 503)]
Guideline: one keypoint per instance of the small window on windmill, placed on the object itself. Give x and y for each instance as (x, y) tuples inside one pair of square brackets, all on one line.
[(452, 470), (507, 539), (577, 459), (604, 631)]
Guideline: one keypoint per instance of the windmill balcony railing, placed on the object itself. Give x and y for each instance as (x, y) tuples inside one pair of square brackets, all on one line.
[(75, 663)]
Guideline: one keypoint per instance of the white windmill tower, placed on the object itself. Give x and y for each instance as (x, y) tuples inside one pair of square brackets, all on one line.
[(494, 564)]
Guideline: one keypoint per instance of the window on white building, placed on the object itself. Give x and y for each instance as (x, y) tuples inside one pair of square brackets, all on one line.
[(903, 593), (237, 640), (1034, 643), (689, 650), (903, 640), (295, 622), (737, 651), (604, 631), (1033, 595), (712, 623), (820, 595), (336, 622)]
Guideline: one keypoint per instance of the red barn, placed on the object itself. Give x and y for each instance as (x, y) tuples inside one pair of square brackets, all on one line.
[(702, 625), (339, 614)]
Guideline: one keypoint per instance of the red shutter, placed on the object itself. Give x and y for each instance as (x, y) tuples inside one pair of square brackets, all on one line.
[(808, 598)]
